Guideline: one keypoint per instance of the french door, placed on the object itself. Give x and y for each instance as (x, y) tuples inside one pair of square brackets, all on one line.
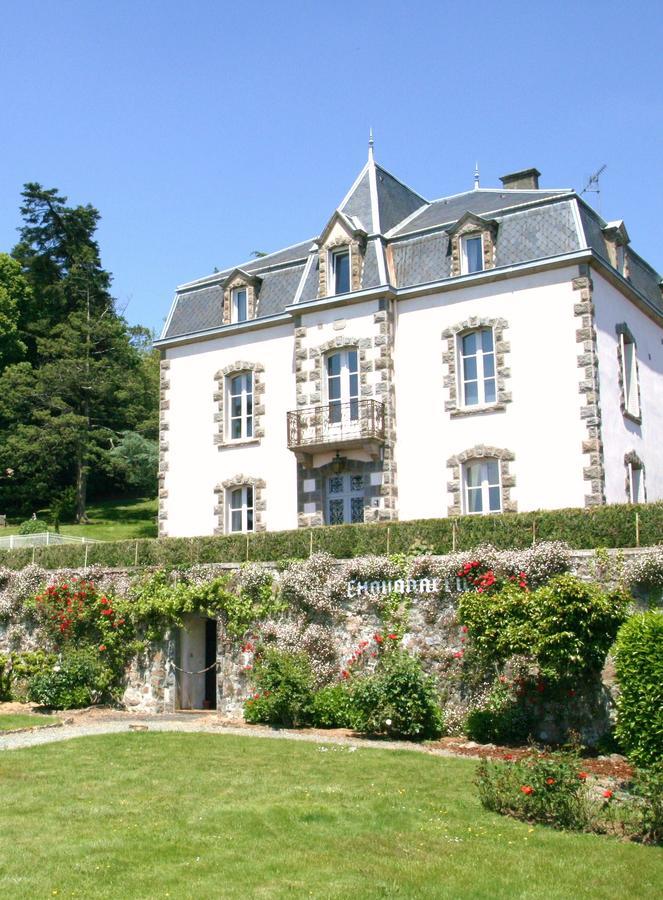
[(343, 387), (345, 499)]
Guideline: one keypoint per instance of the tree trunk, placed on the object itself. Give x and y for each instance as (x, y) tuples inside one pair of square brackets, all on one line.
[(81, 489)]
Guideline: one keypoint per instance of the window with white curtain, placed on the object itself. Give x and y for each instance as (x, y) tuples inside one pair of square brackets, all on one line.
[(482, 488), (240, 509)]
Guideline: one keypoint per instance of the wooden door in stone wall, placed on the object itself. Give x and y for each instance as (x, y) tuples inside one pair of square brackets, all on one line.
[(196, 665)]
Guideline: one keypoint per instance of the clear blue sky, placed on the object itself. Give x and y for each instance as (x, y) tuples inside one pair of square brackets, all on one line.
[(205, 130)]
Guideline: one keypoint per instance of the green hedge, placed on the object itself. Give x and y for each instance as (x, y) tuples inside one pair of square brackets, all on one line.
[(602, 526)]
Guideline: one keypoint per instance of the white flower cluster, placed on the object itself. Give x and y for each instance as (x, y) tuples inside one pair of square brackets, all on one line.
[(539, 562), (313, 585), (253, 579), (646, 568), (294, 634)]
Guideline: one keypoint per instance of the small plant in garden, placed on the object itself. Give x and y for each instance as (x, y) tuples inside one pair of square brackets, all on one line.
[(398, 699), (33, 526), (552, 790), (78, 678), (283, 689), (332, 707)]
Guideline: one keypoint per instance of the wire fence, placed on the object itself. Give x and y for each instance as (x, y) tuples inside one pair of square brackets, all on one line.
[(42, 539)]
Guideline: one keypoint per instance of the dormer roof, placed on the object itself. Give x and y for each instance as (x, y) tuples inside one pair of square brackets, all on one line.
[(470, 218), (246, 277)]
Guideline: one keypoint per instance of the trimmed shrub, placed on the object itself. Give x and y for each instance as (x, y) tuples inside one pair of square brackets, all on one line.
[(399, 699), (639, 667), (77, 679), (601, 526), (284, 690)]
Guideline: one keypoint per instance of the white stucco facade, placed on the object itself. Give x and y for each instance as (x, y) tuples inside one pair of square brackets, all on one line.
[(497, 390)]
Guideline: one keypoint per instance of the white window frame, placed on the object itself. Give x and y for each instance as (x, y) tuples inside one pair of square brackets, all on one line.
[(630, 387), (348, 413), (483, 488), (636, 483), (481, 367), (240, 499), (246, 417), (331, 266), (234, 304), (464, 260)]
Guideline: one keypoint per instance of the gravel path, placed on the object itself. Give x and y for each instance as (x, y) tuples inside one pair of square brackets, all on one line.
[(191, 725)]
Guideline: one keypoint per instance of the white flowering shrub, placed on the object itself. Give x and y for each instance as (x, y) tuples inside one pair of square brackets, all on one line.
[(313, 585), (294, 634), (646, 568), (539, 562)]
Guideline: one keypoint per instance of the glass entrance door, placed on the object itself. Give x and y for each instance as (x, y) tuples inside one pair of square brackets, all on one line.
[(345, 499)]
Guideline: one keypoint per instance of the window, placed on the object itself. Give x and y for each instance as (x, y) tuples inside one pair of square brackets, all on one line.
[(345, 499), (477, 368), (240, 509), (471, 254), (629, 374), (339, 264), (620, 259), (240, 406), (635, 478), (343, 387), (239, 305), (481, 486)]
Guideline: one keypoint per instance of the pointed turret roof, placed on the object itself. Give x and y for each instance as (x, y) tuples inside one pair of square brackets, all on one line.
[(378, 199)]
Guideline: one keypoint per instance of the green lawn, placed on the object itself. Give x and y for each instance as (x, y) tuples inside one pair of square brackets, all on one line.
[(23, 720), (204, 816), (110, 520)]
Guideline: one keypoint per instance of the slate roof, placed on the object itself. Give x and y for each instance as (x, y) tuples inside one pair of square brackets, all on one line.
[(531, 225)]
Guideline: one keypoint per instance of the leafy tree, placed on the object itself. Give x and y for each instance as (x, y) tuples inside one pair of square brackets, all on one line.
[(14, 294), (86, 377)]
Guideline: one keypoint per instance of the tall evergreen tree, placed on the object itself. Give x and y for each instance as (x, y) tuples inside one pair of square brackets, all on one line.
[(83, 380)]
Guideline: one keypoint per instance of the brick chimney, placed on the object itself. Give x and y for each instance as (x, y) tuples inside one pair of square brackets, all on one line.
[(527, 180)]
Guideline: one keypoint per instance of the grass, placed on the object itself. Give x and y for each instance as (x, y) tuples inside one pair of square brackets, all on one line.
[(110, 520), (8, 721), (208, 816)]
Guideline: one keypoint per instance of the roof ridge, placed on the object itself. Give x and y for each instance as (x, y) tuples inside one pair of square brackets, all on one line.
[(217, 275)]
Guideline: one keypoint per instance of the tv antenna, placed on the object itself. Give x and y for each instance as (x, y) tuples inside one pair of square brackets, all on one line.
[(593, 186)]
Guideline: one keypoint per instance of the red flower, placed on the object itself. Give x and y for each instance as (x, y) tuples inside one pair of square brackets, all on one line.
[(607, 794), (392, 637), (378, 638), (458, 654), (508, 756), (464, 629), (345, 673), (103, 601), (526, 789), (106, 612), (550, 780), (102, 647), (582, 776)]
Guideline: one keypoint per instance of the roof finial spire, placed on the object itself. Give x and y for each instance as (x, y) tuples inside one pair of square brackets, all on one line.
[(370, 144), (476, 176)]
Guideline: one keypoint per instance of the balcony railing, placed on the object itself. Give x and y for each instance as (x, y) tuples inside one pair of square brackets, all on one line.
[(353, 423)]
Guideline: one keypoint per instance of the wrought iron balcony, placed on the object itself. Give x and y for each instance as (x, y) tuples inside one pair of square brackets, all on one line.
[(355, 423)]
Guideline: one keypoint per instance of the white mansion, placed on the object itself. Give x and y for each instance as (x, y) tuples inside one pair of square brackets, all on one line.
[(499, 349)]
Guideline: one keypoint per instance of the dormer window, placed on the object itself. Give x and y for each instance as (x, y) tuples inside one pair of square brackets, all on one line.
[(471, 254), (339, 264), (239, 311)]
